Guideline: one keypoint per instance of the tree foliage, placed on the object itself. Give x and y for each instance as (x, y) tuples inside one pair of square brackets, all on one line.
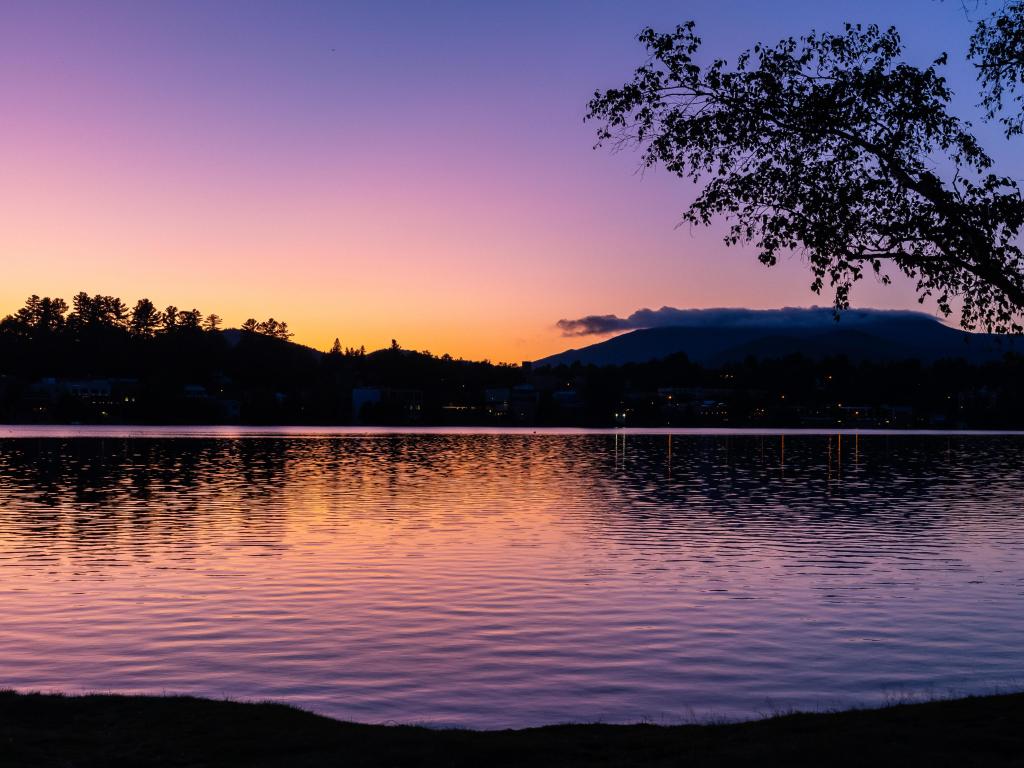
[(997, 50), (99, 314), (41, 315), (269, 327), (145, 319), (834, 147)]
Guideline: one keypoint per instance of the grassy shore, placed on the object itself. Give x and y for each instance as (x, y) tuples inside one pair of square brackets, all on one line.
[(49, 730)]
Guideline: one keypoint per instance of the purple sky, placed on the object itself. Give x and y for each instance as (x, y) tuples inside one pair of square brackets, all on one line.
[(375, 170)]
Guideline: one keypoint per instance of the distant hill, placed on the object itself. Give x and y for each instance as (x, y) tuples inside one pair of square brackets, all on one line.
[(714, 337), (233, 336)]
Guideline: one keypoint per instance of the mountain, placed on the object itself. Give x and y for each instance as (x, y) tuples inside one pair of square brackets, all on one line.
[(716, 336)]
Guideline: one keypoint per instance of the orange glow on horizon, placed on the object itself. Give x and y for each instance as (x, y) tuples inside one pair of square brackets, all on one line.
[(260, 165)]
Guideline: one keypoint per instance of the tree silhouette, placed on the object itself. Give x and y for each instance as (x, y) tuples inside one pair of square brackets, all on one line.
[(50, 318), (116, 312), (336, 347), (997, 49), (271, 328), (190, 320), (170, 318), (44, 348), (41, 315), (828, 145), (83, 311), (145, 318), (100, 316)]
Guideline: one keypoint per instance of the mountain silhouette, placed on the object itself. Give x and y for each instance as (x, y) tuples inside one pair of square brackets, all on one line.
[(718, 336)]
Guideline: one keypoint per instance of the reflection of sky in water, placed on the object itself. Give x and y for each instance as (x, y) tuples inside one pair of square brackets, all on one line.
[(491, 580)]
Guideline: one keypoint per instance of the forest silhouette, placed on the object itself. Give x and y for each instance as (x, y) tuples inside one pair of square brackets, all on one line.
[(97, 361)]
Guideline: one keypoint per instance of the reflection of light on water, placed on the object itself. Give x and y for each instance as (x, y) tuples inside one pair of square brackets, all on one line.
[(620, 450), (512, 579)]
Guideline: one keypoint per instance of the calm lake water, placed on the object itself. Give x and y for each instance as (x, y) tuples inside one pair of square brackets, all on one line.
[(512, 579)]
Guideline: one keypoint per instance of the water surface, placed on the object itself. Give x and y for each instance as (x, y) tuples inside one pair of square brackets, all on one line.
[(510, 579)]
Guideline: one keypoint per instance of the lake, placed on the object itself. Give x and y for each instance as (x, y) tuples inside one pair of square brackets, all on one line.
[(510, 578)]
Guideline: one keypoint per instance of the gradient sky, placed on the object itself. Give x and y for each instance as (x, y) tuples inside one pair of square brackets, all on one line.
[(370, 170)]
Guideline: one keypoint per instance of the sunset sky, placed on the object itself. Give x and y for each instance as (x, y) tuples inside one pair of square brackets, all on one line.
[(376, 170)]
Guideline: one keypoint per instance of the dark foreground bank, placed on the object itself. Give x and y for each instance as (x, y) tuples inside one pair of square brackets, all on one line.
[(45, 730)]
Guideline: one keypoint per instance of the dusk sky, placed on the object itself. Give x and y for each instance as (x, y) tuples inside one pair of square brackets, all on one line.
[(373, 170)]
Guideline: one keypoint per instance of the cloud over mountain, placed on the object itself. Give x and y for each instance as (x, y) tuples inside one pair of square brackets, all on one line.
[(787, 317)]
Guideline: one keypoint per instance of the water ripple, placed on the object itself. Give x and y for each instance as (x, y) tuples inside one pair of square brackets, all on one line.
[(511, 579)]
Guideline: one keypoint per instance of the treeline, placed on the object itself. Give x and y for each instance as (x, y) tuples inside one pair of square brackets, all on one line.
[(46, 316), (97, 360), (799, 391)]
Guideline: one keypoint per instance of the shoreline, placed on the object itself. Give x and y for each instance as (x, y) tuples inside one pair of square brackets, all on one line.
[(114, 431), (98, 729)]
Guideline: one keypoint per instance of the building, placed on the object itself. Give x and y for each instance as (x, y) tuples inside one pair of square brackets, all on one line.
[(497, 401), (386, 405), (523, 403)]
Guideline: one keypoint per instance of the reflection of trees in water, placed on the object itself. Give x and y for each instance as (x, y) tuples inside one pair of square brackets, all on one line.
[(82, 490), (861, 496), (90, 493)]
